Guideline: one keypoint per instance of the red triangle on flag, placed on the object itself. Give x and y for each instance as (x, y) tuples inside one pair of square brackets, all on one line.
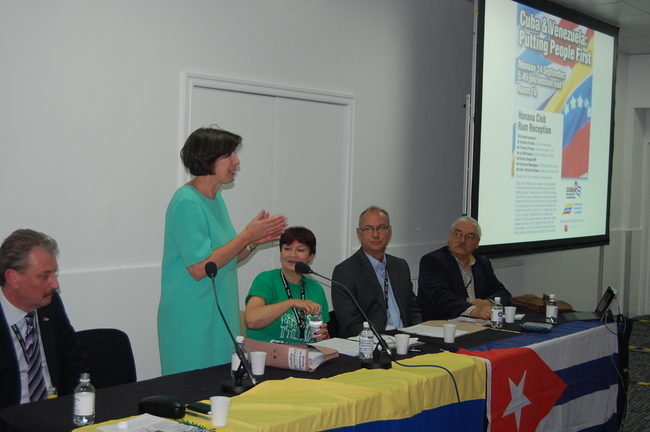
[(522, 390)]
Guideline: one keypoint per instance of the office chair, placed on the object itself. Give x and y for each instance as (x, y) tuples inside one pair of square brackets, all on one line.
[(333, 325), (110, 357)]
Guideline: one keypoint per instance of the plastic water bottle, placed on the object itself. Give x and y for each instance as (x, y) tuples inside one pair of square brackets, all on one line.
[(315, 321), (84, 402), (551, 310), (497, 314), (234, 365), (366, 342)]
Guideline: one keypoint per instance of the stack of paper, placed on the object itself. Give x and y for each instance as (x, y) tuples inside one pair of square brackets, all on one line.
[(430, 331), (147, 423), (343, 346)]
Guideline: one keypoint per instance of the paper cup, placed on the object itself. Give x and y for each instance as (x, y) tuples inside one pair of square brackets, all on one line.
[(220, 408), (510, 313), (402, 343), (449, 331), (258, 361)]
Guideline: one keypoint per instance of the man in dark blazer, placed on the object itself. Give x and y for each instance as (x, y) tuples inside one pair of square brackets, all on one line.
[(380, 283), (455, 281), (28, 277)]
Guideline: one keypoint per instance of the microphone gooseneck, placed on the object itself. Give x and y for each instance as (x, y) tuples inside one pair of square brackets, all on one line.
[(230, 386), (303, 268)]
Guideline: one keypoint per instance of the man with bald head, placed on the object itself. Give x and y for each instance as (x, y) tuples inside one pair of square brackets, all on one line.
[(38, 346), (380, 283), (456, 281)]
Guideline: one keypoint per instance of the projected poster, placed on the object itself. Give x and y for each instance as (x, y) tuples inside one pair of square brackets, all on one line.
[(553, 88), (554, 110)]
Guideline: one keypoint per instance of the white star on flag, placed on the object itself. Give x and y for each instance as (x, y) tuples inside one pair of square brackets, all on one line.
[(518, 400)]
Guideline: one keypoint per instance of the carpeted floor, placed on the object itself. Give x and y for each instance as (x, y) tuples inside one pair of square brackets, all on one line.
[(638, 398)]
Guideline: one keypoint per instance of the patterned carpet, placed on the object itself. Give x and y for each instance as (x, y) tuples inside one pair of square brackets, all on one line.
[(638, 411)]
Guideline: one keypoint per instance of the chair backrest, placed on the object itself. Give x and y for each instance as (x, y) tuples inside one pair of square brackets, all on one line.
[(110, 357), (333, 325)]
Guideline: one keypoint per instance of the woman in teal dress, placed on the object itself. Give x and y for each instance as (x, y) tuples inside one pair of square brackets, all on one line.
[(280, 302), (191, 333)]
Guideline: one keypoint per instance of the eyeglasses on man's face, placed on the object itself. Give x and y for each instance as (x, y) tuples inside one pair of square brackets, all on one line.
[(469, 237), (368, 230)]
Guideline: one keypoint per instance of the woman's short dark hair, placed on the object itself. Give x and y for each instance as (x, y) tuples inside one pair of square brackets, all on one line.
[(15, 250), (301, 235), (204, 146)]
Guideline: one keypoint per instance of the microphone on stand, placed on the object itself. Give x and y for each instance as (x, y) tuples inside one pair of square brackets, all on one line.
[(239, 384), (376, 362)]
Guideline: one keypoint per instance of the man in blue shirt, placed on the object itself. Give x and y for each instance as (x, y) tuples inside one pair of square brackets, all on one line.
[(380, 283)]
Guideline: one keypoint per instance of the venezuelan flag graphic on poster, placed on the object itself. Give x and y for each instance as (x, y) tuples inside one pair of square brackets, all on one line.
[(574, 103), (553, 96)]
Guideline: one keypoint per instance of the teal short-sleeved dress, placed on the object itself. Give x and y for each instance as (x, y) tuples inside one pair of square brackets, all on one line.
[(191, 333), (269, 286)]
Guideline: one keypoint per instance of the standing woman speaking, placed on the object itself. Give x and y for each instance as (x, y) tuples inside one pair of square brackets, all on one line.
[(191, 333)]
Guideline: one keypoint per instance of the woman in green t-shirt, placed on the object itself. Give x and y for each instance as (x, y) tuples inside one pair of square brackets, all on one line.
[(281, 302)]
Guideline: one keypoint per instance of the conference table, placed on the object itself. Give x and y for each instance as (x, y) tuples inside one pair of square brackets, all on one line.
[(340, 395)]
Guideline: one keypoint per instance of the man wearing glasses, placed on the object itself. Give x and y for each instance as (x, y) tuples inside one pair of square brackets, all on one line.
[(381, 283), (455, 281)]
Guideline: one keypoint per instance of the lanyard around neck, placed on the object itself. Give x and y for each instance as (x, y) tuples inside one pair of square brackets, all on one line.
[(300, 316), (388, 317), (20, 337), (386, 285)]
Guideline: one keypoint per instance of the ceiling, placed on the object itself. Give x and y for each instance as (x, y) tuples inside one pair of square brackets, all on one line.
[(631, 16)]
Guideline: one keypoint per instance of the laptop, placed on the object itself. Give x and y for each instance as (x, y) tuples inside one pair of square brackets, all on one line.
[(601, 309)]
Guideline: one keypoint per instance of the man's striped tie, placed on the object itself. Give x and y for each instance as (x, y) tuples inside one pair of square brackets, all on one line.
[(35, 376)]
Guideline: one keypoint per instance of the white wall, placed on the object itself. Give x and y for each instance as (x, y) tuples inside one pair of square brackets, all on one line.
[(91, 124), (634, 181)]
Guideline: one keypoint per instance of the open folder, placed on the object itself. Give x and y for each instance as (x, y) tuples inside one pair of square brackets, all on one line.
[(301, 357)]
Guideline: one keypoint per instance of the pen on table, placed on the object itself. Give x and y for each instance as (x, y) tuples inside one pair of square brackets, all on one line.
[(470, 322), (197, 415)]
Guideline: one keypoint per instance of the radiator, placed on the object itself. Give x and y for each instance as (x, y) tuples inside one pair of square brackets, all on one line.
[(511, 274)]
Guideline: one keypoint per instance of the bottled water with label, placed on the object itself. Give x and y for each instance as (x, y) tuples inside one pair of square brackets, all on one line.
[(366, 342), (234, 365), (315, 321), (497, 314), (551, 310), (84, 402)]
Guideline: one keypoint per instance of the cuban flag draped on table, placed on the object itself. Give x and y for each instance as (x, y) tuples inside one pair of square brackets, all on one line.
[(564, 380)]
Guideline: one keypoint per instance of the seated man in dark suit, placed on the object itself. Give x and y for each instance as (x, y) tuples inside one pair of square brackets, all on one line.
[(381, 283), (455, 281), (38, 346)]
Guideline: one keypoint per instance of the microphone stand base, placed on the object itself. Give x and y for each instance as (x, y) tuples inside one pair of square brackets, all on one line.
[(382, 363), (231, 387)]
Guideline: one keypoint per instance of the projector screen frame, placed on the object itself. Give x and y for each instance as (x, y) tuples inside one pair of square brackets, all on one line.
[(532, 247)]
